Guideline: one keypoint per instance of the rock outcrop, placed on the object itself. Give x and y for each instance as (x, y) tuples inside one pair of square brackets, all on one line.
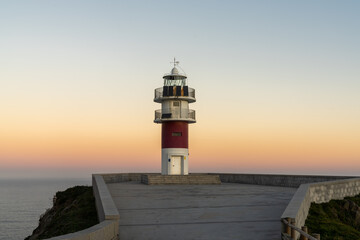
[(73, 210), (336, 220)]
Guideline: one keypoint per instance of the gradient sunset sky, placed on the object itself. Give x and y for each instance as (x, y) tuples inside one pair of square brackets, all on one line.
[(277, 85)]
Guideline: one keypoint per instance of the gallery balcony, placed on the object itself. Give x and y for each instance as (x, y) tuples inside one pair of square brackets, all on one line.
[(186, 115)]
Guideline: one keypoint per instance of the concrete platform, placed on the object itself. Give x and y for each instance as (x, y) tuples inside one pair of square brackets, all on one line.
[(226, 211)]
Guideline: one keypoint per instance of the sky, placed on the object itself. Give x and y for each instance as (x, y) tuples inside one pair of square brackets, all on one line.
[(277, 85)]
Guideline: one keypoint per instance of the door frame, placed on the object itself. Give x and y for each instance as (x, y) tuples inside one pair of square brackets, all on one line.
[(181, 164)]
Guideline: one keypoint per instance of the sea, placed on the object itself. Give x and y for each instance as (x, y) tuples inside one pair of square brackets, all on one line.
[(22, 201)]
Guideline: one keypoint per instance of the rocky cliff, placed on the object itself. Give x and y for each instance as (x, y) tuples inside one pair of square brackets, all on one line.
[(73, 210), (336, 220)]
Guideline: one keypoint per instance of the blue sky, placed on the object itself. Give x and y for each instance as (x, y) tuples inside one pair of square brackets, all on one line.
[(274, 66)]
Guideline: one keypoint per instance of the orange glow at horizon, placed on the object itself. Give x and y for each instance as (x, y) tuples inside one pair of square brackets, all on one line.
[(137, 145)]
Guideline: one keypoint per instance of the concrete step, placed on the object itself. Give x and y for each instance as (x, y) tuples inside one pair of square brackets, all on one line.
[(199, 179)]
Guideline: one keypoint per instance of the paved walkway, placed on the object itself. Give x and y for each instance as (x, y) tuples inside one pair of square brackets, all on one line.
[(227, 211)]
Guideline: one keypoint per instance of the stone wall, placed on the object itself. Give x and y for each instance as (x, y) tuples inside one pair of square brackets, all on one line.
[(106, 230), (276, 180), (259, 179), (104, 203), (121, 177)]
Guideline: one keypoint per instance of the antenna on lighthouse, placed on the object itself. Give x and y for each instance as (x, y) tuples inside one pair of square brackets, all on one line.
[(175, 62)]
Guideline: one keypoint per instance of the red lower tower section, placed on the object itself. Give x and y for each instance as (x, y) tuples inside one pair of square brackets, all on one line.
[(174, 134)]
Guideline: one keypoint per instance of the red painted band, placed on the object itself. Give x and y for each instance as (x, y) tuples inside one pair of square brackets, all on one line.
[(170, 141)]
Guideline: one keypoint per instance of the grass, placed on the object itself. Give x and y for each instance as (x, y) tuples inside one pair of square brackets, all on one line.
[(336, 220)]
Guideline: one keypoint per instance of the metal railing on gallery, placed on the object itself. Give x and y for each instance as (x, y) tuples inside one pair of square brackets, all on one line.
[(167, 115)]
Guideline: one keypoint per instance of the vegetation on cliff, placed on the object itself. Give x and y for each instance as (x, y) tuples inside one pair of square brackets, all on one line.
[(73, 210), (336, 220)]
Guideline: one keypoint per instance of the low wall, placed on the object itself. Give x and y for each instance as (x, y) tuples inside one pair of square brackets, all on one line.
[(108, 228), (259, 179), (321, 192), (105, 205), (121, 177), (275, 180)]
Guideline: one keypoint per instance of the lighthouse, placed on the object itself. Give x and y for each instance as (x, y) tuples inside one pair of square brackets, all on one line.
[(175, 117)]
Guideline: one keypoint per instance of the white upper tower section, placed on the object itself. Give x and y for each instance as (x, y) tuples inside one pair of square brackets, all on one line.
[(175, 97)]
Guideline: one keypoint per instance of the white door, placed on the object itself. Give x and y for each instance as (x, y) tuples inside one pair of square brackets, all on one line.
[(175, 165)]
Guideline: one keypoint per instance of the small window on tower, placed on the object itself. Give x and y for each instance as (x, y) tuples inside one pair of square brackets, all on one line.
[(176, 134), (176, 104)]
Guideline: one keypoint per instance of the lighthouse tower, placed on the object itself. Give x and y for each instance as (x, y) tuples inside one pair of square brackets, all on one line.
[(174, 117)]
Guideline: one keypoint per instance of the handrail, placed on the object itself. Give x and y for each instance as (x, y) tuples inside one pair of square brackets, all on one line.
[(179, 74), (289, 235), (185, 114), (169, 110)]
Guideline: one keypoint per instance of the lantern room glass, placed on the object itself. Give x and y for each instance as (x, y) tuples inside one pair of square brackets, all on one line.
[(175, 81)]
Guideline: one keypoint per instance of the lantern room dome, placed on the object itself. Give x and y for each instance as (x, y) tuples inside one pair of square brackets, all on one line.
[(174, 71), (175, 74)]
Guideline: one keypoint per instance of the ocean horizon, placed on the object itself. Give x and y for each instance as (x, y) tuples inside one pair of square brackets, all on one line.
[(22, 201)]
